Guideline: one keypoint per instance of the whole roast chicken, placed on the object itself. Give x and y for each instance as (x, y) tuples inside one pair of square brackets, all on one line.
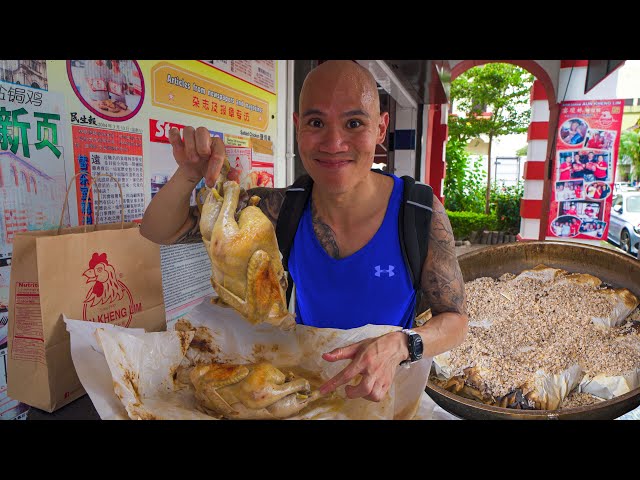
[(238, 391), (247, 271), (253, 391)]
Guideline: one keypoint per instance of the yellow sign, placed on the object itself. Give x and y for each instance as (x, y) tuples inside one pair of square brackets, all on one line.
[(184, 91)]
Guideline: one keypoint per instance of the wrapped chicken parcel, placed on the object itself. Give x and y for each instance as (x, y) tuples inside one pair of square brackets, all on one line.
[(133, 374)]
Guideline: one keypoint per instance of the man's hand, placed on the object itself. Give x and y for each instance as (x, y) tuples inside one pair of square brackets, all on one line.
[(374, 359), (168, 218), (198, 154)]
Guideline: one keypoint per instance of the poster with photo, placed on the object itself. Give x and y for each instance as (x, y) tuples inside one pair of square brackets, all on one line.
[(64, 117), (240, 165), (118, 154), (587, 145), (584, 210), (111, 89), (569, 190)]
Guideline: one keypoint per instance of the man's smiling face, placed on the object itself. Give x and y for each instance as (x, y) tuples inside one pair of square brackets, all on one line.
[(339, 124)]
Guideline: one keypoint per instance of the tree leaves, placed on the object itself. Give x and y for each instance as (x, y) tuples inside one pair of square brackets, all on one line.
[(630, 147)]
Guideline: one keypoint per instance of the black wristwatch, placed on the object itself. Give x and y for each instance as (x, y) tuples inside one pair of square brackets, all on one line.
[(414, 342)]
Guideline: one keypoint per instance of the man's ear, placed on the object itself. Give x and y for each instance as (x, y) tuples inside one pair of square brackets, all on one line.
[(382, 127), (296, 119)]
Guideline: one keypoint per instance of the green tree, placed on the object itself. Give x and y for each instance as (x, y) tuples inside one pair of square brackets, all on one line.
[(463, 180), (500, 88), (630, 147), (522, 152)]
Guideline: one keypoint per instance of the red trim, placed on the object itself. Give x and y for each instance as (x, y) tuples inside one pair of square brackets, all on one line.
[(538, 131), (530, 65), (530, 208), (428, 158), (573, 63), (533, 170), (554, 115), (436, 152), (538, 92)]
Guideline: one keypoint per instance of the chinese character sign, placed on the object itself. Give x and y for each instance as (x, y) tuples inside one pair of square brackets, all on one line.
[(33, 178), (118, 154), (587, 144), (181, 90)]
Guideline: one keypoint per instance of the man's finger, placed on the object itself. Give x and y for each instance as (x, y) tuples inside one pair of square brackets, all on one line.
[(362, 389), (216, 160), (378, 392), (174, 136), (345, 376), (176, 141), (189, 140), (341, 353), (203, 142)]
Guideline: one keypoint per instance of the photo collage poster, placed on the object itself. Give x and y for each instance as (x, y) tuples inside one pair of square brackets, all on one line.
[(587, 143), (65, 121)]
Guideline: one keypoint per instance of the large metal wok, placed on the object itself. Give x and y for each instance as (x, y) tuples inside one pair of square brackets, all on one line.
[(614, 268)]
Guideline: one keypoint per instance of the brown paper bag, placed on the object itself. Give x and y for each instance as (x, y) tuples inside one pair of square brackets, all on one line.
[(102, 273)]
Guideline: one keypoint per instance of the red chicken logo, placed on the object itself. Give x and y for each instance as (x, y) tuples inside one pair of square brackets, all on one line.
[(106, 288)]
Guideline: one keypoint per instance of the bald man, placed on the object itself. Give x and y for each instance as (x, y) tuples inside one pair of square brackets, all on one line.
[(349, 226)]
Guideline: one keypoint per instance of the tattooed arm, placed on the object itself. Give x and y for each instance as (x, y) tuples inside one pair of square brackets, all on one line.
[(376, 359), (168, 219), (443, 288)]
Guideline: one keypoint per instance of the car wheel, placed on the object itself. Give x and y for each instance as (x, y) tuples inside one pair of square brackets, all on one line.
[(625, 241)]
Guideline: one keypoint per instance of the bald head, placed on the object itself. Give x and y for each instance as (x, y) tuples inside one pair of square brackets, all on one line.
[(340, 78)]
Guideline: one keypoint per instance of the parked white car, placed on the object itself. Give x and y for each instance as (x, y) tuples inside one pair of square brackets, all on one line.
[(624, 224), (619, 187)]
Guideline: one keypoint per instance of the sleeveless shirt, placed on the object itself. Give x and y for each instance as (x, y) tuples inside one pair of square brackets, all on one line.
[(370, 286)]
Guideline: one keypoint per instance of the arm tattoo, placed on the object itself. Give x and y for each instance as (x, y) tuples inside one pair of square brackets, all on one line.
[(192, 235), (442, 281), (326, 236)]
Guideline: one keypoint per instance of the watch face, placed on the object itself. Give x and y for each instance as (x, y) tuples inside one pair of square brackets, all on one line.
[(419, 347), (415, 347)]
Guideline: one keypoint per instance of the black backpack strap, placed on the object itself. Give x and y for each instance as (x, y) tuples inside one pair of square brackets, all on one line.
[(414, 224), (296, 197)]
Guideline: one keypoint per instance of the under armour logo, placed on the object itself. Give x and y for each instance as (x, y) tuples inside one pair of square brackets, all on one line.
[(388, 272)]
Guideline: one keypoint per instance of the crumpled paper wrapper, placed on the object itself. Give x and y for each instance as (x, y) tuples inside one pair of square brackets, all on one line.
[(608, 387), (545, 388), (130, 374), (549, 390)]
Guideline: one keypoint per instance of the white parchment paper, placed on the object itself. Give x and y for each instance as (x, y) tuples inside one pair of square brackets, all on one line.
[(153, 357)]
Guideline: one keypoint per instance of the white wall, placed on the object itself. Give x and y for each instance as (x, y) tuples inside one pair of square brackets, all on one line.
[(628, 80)]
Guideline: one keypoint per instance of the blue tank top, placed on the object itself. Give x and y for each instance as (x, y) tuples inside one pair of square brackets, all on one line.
[(371, 286)]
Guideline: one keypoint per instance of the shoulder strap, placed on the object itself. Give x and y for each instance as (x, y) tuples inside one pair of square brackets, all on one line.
[(413, 225), (295, 199)]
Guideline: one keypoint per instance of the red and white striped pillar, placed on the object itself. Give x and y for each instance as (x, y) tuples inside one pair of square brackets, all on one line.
[(534, 167), (435, 152)]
